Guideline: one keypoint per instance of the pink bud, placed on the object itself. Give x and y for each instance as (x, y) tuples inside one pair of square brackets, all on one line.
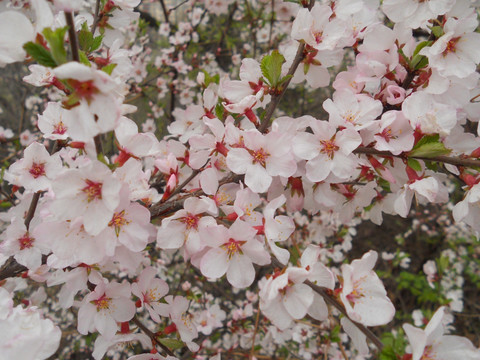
[(395, 94)]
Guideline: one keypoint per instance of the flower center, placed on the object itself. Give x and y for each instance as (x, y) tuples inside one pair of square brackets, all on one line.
[(26, 242), (428, 354), (59, 128), (151, 295), (233, 246), (93, 190), (329, 147), (259, 156), (190, 221), (387, 134), (37, 170), (118, 220), (84, 89), (318, 36), (102, 303), (451, 46)]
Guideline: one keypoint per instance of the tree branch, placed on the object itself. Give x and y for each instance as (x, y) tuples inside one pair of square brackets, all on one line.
[(72, 35), (452, 160), (151, 335), (277, 97)]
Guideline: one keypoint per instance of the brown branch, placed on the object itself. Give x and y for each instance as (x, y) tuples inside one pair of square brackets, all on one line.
[(11, 269), (165, 11), (96, 18), (453, 160), (332, 301), (171, 206), (32, 208), (72, 35), (277, 97), (177, 6), (151, 335), (257, 321)]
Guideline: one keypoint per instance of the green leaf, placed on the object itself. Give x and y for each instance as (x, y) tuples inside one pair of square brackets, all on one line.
[(85, 38), (40, 54), (271, 67), (83, 58), (429, 146), (437, 31), (5, 204), (172, 344), (420, 46), (55, 39), (419, 62), (97, 41), (414, 164), (219, 111), (109, 68), (285, 79), (388, 353)]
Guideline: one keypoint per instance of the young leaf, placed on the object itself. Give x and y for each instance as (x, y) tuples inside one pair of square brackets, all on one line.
[(271, 67), (429, 146), (55, 39), (109, 68), (172, 344), (85, 38), (97, 41), (84, 59), (414, 164), (40, 54), (421, 46)]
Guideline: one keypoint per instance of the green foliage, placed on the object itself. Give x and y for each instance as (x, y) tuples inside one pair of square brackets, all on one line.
[(419, 61), (84, 59), (40, 54), (87, 42), (414, 164), (428, 147), (172, 344), (109, 68), (394, 345), (271, 66), (56, 42)]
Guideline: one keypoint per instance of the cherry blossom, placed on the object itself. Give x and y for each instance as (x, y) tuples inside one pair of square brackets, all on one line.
[(104, 307), (363, 293), (431, 343), (233, 251)]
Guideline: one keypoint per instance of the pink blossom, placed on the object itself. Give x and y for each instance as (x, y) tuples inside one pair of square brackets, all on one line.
[(104, 307), (363, 293), (432, 344), (233, 251), (327, 151)]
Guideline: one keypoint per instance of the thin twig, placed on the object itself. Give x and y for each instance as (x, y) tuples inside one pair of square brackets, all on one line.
[(332, 301), (453, 160), (257, 321), (72, 35), (96, 17), (177, 6), (151, 335), (165, 11), (31, 209), (277, 97)]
